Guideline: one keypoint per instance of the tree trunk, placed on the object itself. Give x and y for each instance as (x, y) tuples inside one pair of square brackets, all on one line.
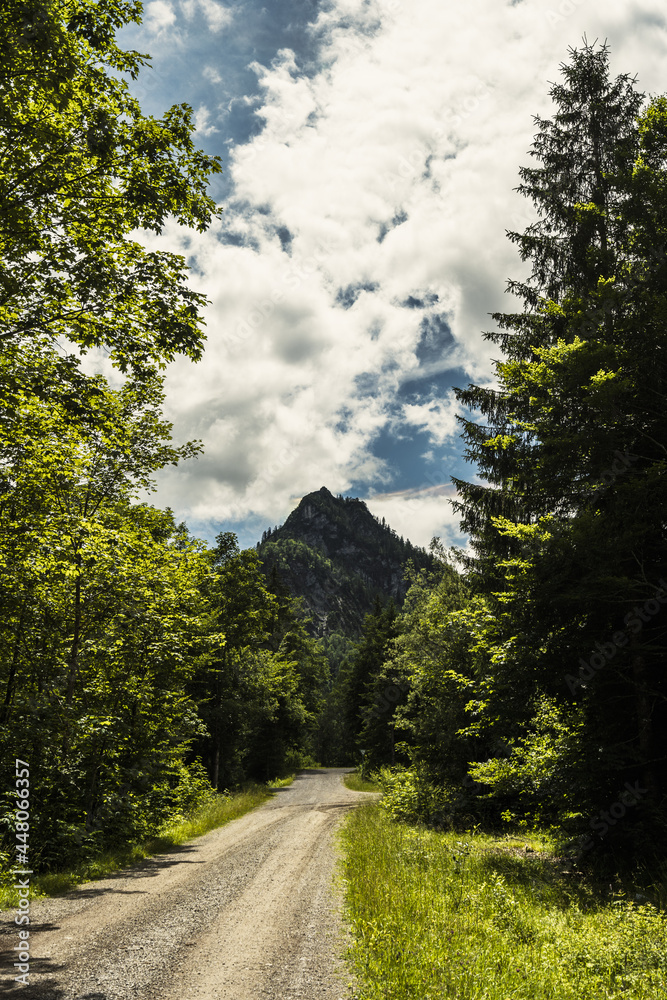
[(9, 693), (76, 638)]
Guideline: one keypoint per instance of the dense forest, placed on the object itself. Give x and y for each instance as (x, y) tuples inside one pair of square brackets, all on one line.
[(519, 681)]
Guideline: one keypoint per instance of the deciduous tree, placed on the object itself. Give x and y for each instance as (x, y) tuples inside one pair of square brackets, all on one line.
[(82, 171)]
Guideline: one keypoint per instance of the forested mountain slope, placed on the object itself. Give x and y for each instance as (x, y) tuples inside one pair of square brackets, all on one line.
[(339, 558)]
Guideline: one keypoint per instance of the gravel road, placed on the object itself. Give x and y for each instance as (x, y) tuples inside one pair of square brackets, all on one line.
[(248, 912)]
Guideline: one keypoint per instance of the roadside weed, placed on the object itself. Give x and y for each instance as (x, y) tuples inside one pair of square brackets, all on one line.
[(356, 783)]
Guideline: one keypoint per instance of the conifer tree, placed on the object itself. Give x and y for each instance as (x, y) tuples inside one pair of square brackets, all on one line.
[(372, 732), (568, 530), (586, 156)]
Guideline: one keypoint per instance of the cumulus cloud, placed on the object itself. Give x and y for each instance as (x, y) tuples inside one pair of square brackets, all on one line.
[(217, 15), (212, 75), (203, 125), (364, 244), (159, 15), (437, 416), (419, 514)]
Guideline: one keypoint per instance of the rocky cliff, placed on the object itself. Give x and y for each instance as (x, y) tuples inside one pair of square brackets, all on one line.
[(339, 558)]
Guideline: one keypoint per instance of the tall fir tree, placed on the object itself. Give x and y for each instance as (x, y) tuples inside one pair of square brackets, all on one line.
[(586, 156), (568, 530)]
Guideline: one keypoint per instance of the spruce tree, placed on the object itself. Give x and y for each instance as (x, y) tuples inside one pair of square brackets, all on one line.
[(372, 732), (586, 155), (568, 529)]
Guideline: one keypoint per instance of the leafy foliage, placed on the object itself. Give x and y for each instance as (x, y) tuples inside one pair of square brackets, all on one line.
[(569, 535), (122, 638), (101, 621), (82, 169), (260, 694)]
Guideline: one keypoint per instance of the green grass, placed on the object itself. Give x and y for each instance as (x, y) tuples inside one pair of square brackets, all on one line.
[(220, 810), (472, 917), (356, 783), (280, 782)]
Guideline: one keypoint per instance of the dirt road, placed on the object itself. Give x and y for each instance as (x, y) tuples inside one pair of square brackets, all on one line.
[(246, 912)]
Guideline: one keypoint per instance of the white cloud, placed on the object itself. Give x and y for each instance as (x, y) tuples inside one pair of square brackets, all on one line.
[(216, 15), (159, 15), (211, 74), (420, 514), (203, 126), (437, 416), (385, 175)]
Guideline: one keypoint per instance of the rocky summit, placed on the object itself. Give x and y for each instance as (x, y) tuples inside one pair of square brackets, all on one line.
[(339, 558)]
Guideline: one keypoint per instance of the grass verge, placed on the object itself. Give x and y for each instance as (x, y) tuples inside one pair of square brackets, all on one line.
[(356, 783), (280, 782), (437, 916), (221, 809)]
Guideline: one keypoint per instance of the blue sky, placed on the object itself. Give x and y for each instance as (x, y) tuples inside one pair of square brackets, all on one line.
[(370, 151)]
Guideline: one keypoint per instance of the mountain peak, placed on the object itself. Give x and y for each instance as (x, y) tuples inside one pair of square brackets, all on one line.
[(339, 558), (322, 494)]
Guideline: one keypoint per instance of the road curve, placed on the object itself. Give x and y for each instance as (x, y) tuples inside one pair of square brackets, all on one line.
[(247, 912)]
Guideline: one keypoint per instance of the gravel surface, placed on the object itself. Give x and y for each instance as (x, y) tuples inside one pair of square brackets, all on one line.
[(247, 911)]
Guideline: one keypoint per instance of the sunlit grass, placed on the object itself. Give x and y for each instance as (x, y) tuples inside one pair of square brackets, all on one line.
[(281, 782), (472, 917), (356, 783), (218, 811), (221, 810)]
